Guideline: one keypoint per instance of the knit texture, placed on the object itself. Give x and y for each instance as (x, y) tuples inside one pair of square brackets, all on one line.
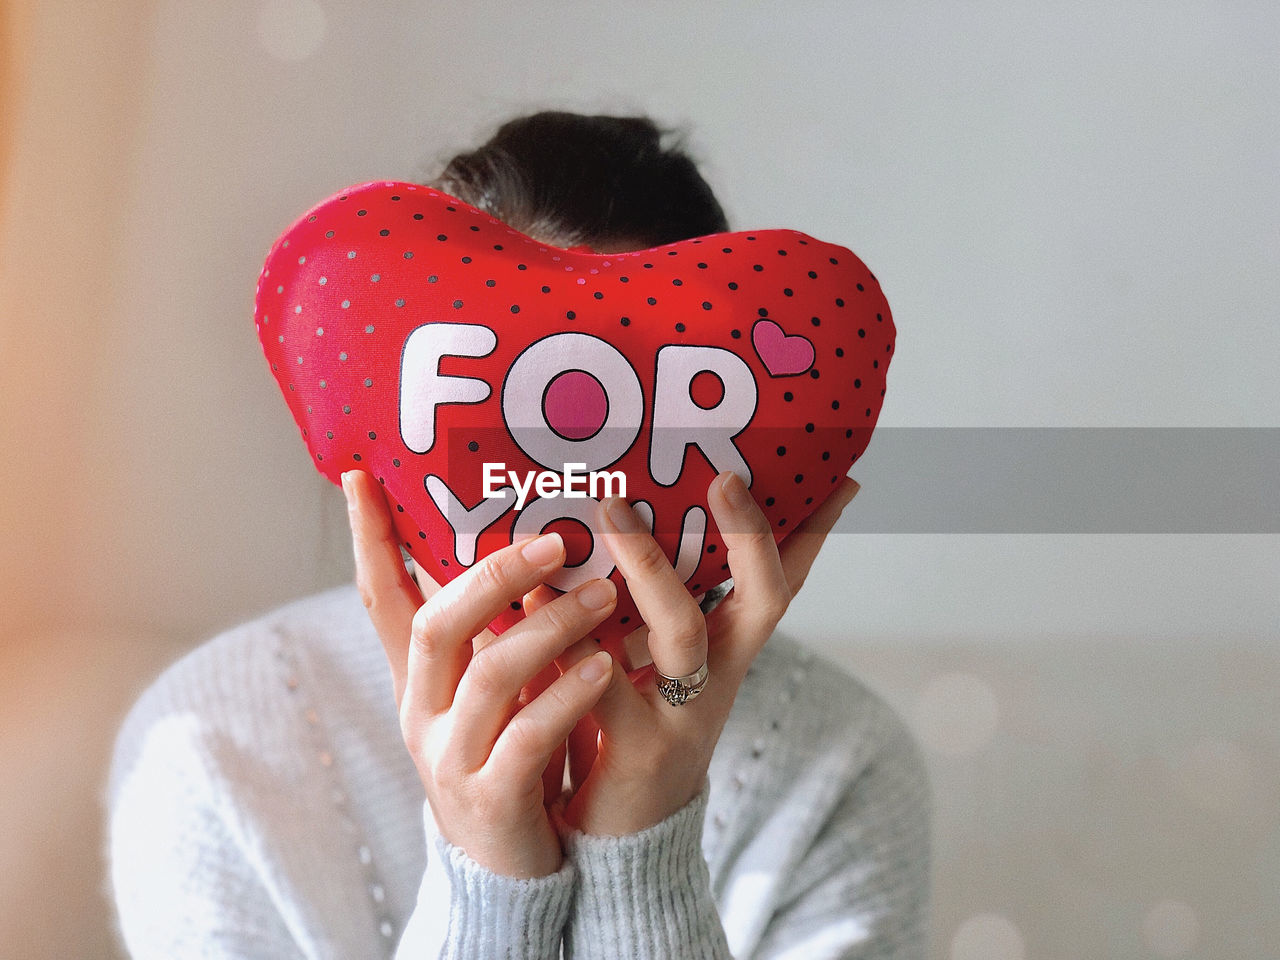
[(261, 804)]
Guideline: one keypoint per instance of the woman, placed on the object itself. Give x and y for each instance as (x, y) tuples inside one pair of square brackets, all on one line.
[(275, 794)]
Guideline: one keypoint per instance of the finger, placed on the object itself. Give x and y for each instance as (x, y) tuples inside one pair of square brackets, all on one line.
[(800, 547), (677, 630), (446, 624), (583, 741), (496, 673), (760, 593), (389, 594), (521, 753), (537, 598), (553, 776)]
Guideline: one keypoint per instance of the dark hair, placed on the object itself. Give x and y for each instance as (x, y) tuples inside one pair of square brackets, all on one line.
[(570, 179)]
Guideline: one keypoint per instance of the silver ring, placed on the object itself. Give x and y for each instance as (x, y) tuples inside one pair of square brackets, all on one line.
[(678, 690)]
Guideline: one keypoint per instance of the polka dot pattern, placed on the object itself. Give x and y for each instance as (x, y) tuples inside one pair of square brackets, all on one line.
[(357, 275)]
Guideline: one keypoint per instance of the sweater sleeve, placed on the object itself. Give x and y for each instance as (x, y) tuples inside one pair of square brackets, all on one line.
[(644, 896), (488, 916)]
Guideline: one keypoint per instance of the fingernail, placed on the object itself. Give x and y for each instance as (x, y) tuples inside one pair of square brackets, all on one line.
[(621, 515), (596, 667), (543, 550), (597, 594), (346, 484), (735, 491)]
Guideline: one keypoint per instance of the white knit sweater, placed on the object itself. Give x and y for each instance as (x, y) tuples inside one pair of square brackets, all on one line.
[(262, 805)]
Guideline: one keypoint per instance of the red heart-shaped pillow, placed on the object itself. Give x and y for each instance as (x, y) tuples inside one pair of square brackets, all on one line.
[(426, 342)]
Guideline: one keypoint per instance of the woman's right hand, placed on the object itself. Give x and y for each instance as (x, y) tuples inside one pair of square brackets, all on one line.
[(479, 753)]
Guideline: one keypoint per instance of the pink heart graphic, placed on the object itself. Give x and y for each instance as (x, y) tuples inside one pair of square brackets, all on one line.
[(783, 355)]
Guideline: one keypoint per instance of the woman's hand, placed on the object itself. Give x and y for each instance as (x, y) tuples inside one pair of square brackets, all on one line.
[(652, 757), (480, 750)]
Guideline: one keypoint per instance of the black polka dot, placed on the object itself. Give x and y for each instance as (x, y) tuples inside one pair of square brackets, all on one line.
[(395, 462), (457, 304), (788, 292), (473, 446), (758, 267), (857, 383), (466, 259), (826, 454), (372, 435), (491, 283), (816, 321), (677, 283), (808, 500), (625, 321), (861, 288), (706, 304), (711, 548), (652, 301), (782, 451), (835, 404), (732, 285), (813, 275), (598, 295), (788, 396), (361, 213), (768, 501), (799, 478), (515, 308), (384, 233), (679, 328), (839, 351), (808, 428), (497, 246), (570, 315), (515, 604), (702, 266), (441, 237), (417, 216), (861, 332), (814, 373), (625, 620), (546, 289), (839, 301), (735, 334), (355, 456), (433, 279)]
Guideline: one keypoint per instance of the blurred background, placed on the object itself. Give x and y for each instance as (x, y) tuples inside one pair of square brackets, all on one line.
[(1073, 210)]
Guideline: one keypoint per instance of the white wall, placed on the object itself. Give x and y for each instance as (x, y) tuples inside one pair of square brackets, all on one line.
[(1073, 213), (1072, 208)]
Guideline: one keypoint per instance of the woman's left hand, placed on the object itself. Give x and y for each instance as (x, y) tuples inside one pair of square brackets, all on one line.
[(651, 757)]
